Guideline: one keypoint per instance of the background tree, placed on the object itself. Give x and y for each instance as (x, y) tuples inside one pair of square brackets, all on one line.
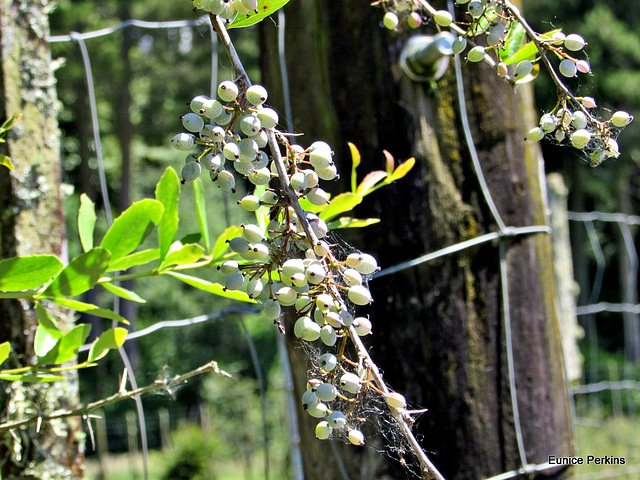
[(439, 330), (32, 223)]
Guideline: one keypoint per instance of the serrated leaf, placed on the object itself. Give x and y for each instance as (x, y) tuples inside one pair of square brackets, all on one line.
[(168, 193), (109, 340), (86, 222), (201, 210), (44, 342), (25, 273), (67, 347), (47, 322), (30, 377), (340, 204), (183, 255), (123, 292), (5, 350), (138, 258), (88, 308), (265, 8), (6, 162), (132, 227), (369, 181), (348, 222), (80, 275), (221, 244), (355, 162), (214, 288), (402, 170)]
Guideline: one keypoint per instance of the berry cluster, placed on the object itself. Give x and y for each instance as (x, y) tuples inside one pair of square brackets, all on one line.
[(290, 263), (398, 12)]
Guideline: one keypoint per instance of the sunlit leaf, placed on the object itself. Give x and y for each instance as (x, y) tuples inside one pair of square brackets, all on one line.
[(67, 347), (47, 322), (5, 350), (390, 162), (43, 341), (355, 162), (24, 273), (6, 162), (340, 204), (513, 41), (30, 377), (265, 8), (402, 170), (528, 51), (214, 288), (138, 258), (88, 308), (370, 180), (348, 222), (168, 193), (80, 275), (132, 227), (86, 222), (109, 340), (123, 292), (201, 210), (221, 244), (182, 255), (9, 123)]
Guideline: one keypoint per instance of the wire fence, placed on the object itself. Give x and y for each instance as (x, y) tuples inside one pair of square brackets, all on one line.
[(628, 305)]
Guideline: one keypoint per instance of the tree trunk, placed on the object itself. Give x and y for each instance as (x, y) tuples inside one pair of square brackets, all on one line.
[(31, 222), (439, 330)]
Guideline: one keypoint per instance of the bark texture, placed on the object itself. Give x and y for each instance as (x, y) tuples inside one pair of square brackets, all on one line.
[(31, 222), (438, 328)]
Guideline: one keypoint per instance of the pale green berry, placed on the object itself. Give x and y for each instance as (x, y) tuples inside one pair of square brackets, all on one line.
[(192, 122), (565, 115), (240, 7), (303, 303), (226, 181), (579, 120), (224, 118), (324, 302), (496, 34), (362, 325), (350, 382), (183, 141), (323, 430), (268, 117), (580, 138), (390, 20), (334, 319), (286, 296), (291, 267), (611, 148), (243, 166), (574, 42), (256, 95), (309, 398), (216, 6), (321, 248), (227, 91), (260, 251), (524, 68), (359, 295), (352, 277), (476, 54), (321, 158), (395, 400), (368, 264), (303, 326), (568, 68), (337, 420), (443, 18), (347, 318), (228, 12), (354, 260), (317, 196), (535, 134), (234, 281), (198, 101), (212, 108), (231, 151), (229, 267), (475, 8), (298, 181), (559, 135), (328, 336), (502, 69), (597, 157), (315, 274), (254, 287), (239, 245), (356, 437), (248, 148), (250, 125), (262, 176), (621, 119), (326, 392), (299, 280), (459, 45), (548, 122), (190, 171), (312, 178), (414, 20), (328, 362), (261, 160), (317, 410), (271, 309), (213, 133), (250, 203), (329, 173)]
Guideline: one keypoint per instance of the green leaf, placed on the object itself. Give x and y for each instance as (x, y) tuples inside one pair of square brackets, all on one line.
[(8, 124), (168, 193), (370, 181), (6, 161), (348, 222), (389, 163), (47, 322), (5, 350), (88, 308), (402, 170), (529, 51), (265, 8), (43, 341), (80, 275), (201, 209), (24, 273), (67, 347), (182, 255), (214, 288), (355, 162), (30, 377), (86, 222), (191, 238), (513, 41), (138, 258), (340, 204), (109, 340), (132, 227), (123, 292), (221, 244)]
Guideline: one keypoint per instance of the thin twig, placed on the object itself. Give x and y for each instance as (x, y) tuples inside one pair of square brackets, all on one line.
[(117, 397)]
